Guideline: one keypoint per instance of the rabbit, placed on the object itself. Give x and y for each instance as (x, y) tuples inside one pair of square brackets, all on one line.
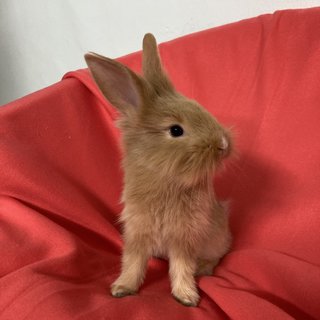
[(172, 147)]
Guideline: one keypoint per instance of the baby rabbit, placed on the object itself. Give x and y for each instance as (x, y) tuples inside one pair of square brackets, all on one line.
[(172, 147)]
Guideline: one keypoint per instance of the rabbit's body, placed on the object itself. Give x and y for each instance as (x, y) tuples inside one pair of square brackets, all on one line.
[(171, 222), (174, 217), (172, 147)]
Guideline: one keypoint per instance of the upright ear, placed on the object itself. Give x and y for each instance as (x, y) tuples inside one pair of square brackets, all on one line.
[(152, 67), (121, 86)]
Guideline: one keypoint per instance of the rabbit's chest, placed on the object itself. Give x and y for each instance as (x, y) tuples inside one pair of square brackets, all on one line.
[(169, 219), (176, 227)]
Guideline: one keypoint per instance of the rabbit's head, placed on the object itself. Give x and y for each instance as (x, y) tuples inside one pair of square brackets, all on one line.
[(165, 134)]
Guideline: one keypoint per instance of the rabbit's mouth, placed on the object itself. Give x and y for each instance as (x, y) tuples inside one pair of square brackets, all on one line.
[(198, 165), (210, 158)]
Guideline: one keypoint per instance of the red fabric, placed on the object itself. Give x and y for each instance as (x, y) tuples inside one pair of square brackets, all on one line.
[(60, 183)]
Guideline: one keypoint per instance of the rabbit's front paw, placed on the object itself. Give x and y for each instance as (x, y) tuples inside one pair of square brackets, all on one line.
[(188, 297), (119, 291)]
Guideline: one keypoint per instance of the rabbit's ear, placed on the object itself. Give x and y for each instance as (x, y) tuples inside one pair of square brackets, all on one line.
[(122, 87), (152, 67)]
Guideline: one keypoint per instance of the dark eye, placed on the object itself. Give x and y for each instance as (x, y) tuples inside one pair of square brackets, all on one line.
[(176, 131)]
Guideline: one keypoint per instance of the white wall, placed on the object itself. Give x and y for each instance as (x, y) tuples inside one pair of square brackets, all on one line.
[(40, 40)]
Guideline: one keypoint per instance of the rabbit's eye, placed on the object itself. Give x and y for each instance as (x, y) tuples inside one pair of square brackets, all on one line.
[(176, 131)]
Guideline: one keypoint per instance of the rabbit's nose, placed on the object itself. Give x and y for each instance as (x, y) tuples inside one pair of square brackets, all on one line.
[(223, 146)]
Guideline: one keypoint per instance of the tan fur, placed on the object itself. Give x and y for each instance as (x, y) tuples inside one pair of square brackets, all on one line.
[(170, 209)]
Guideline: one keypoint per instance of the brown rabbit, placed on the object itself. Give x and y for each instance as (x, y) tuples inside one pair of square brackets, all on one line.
[(172, 147)]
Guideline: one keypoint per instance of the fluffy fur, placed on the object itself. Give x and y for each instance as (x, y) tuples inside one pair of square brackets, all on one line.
[(170, 209)]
